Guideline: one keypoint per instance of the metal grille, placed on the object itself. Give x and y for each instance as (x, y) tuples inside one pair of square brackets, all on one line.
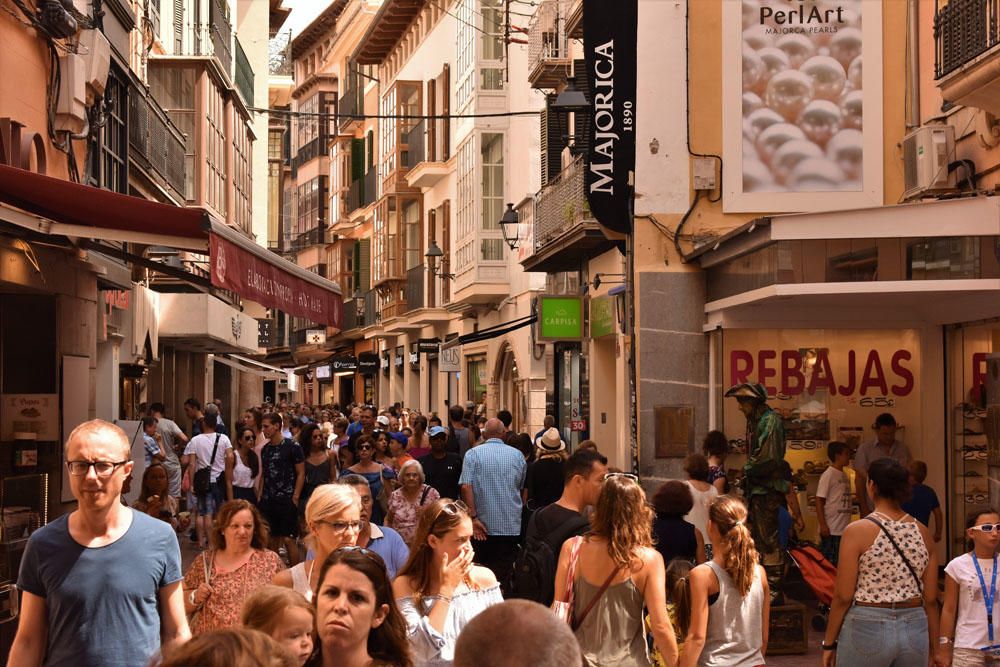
[(155, 143), (548, 43), (561, 204), (415, 145), (964, 29), (221, 33), (414, 290), (243, 75)]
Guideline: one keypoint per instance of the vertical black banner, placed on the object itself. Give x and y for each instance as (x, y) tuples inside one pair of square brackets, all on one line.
[(609, 41)]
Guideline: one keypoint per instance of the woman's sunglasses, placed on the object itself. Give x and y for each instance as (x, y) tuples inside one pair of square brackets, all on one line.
[(987, 527), (626, 475), (362, 448)]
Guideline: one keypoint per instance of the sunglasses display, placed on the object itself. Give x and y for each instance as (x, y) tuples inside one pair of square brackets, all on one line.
[(805, 444)]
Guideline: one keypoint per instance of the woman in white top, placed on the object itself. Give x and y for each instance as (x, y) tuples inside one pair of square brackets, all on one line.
[(884, 609), (333, 517), (964, 623), (703, 493), (246, 466), (439, 590)]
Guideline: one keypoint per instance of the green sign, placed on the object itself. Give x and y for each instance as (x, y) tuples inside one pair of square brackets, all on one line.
[(560, 318), (602, 316)]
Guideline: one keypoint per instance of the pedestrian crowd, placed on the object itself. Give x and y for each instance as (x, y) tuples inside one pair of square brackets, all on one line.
[(368, 537)]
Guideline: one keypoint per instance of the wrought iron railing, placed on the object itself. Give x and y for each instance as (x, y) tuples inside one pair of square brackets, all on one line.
[(964, 29), (348, 106), (243, 75), (155, 143), (561, 204), (414, 289), (221, 33), (314, 236), (416, 145), (547, 38)]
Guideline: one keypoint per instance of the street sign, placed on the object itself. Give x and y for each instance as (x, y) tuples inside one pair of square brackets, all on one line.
[(315, 336), (578, 425), (450, 360)]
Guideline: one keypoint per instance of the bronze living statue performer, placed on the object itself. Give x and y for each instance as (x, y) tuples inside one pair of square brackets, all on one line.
[(764, 483)]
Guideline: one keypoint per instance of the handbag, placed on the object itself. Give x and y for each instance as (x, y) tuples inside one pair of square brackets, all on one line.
[(203, 476), (906, 561), (564, 608), (208, 578)]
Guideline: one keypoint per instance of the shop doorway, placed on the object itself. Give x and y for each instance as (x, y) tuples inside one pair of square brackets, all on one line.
[(510, 387), (569, 368), (346, 389)]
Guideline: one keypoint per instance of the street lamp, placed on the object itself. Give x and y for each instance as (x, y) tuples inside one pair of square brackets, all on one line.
[(434, 253), (509, 224)]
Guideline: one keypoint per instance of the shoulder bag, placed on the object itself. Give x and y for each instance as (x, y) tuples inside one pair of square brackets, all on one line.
[(208, 578), (906, 561), (203, 476), (564, 608)]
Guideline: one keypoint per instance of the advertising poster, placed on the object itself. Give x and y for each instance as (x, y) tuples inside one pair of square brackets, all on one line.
[(802, 112)]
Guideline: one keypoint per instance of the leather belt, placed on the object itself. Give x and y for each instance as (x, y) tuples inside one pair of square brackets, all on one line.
[(905, 604)]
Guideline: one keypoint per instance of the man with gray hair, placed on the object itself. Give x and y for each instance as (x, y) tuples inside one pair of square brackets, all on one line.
[(102, 583), (491, 482), (384, 541), (517, 633)]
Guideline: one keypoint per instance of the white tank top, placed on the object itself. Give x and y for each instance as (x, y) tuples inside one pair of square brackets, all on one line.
[(300, 579), (242, 475)]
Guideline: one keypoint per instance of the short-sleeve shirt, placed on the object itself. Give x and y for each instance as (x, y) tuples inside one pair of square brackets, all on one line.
[(152, 449), (922, 503), (101, 604), (496, 471), (970, 626), (869, 452), (389, 544), (202, 445), (443, 474), (835, 491), (278, 465), (169, 431)]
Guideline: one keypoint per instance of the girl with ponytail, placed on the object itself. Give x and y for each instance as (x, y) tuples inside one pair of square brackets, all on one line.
[(729, 595)]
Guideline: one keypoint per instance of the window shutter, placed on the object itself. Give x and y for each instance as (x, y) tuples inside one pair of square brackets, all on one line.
[(445, 95), (432, 123), (178, 26), (364, 264), (581, 119), (356, 263), (553, 140), (357, 159)]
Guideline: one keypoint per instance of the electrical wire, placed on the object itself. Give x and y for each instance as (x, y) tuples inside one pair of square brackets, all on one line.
[(687, 104), (357, 116)]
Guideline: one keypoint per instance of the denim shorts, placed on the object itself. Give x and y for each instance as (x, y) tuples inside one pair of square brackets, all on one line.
[(209, 503), (883, 638)]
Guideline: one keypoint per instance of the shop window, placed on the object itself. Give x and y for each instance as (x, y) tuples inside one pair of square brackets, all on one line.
[(942, 258), (477, 378), (109, 148)]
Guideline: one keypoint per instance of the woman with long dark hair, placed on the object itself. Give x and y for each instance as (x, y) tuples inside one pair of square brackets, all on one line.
[(357, 621), (321, 463), (246, 465)]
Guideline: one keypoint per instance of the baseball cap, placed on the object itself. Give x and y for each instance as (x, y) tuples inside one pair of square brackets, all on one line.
[(436, 430), (383, 420)]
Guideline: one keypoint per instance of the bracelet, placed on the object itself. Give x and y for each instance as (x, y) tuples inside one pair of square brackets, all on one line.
[(828, 647), (446, 598), (945, 640), (191, 596)]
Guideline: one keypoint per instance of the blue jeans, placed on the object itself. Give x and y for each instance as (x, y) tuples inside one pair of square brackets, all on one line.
[(876, 637)]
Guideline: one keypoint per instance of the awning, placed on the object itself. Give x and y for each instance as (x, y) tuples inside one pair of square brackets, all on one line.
[(491, 332), (69, 209)]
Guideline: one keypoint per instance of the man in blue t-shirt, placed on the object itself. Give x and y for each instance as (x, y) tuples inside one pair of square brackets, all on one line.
[(103, 583)]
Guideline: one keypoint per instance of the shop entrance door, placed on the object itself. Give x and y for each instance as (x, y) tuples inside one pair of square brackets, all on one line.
[(568, 403), (346, 390)]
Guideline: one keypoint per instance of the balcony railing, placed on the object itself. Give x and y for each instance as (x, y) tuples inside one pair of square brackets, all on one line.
[(314, 236), (561, 204), (155, 143), (549, 56), (964, 29), (348, 107), (280, 54), (414, 289), (416, 145), (362, 192), (243, 75), (209, 39)]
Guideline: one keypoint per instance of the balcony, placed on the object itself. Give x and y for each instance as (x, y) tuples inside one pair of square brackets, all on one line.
[(243, 75), (349, 106), (966, 39), (416, 142), (564, 231), (315, 236), (423, 170), (212, 39), (414, 289), (155, 144), (362, 192), (549, 58)]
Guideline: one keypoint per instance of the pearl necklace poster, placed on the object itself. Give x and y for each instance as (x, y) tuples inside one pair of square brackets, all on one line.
[(802, 107)]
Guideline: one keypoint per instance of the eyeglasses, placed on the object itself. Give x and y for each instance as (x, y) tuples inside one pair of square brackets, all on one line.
[(362, 448), (364, 551), (626, 475), (102, 468), (248, 437), (975, 498), (343, 526), (987, 527)]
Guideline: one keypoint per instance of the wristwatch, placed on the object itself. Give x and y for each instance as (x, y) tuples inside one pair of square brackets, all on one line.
[(191, 596), (828, 647)]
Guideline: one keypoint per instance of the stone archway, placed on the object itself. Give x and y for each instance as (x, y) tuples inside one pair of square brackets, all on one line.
[(510, 388)]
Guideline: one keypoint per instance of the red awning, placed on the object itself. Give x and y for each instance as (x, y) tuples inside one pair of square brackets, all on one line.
[(238, 264)]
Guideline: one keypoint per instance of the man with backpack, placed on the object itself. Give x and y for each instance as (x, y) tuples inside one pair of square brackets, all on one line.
[(534, 573)]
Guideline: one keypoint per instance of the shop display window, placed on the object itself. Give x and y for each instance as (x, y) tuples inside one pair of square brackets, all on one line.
[(828, 385)]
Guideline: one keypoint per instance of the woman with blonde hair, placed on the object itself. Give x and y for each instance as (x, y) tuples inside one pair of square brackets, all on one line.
[(608, 576), (285, 616), (333, 518), (730, 599), (439, 590), (234, 646)]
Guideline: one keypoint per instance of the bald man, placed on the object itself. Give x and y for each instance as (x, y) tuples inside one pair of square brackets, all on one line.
[(491, 483), (517, 633), (103, 583)]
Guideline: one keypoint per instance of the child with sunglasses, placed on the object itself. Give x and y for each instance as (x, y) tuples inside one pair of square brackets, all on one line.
[(969, 633)]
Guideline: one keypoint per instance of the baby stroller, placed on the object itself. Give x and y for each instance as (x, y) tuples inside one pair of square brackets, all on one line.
[(819, 574)]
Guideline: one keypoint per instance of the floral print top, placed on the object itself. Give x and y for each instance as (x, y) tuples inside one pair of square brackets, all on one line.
[(229, 589), (406, 513)]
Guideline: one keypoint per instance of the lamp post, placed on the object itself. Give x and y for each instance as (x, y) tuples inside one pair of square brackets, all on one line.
[(509, 226), (434, 253)]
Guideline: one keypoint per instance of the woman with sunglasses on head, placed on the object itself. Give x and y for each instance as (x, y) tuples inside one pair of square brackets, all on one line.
[(333, 520), (246, 466), (884, 609), (439, 590), (970, 598), (357, 621), (321, 462), (610, 574), (377, 474)]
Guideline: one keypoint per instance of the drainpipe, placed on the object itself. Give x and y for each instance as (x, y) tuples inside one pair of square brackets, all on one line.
[(913, 64)]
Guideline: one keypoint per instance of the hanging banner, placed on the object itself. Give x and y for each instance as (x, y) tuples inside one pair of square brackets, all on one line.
[(802, 120), (609, 44), (344, 363), (368, 363)]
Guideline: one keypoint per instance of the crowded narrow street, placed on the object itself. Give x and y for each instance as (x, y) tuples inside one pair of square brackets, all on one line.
[(499, 333)]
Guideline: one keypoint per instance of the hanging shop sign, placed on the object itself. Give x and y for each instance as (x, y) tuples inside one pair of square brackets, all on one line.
[(602, 316), (398, 359), (265, 332), (368, 363), (323, 372), (450, 360), (315, 337), (344, 363), (802, 120), (386, 362), (609, 44), (560, 318), (428, 345)]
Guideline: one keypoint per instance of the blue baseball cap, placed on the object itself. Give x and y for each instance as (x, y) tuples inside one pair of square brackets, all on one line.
[(436, 430)]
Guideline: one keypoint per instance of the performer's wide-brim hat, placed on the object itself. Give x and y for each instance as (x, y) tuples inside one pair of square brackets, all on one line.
[(550, 442), (755, 392)]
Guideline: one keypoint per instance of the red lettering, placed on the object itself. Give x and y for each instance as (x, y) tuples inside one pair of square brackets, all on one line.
[(763, 372), (873, 375), (791, 362), (822, 374), (740, 366), (903, 372), (978, 369), (848, 389)]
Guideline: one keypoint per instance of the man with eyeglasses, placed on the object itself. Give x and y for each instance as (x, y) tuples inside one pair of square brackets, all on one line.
[(383, 540), (103, 582), (491, 482)]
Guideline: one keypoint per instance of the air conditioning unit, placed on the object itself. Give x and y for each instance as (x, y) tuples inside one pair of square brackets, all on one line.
[(926, 154)]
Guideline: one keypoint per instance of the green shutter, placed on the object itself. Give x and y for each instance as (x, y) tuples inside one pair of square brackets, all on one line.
[(365, 264), (356, 263), (357, 159)]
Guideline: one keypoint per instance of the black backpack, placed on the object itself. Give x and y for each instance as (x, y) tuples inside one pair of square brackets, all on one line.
[(534, 573)]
